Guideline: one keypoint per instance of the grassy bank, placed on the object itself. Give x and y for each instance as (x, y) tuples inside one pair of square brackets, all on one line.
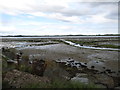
[(95, 44), (61, 84), (108, 46)]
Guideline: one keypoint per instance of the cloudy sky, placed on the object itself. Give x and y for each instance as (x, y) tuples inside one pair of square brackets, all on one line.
[(58, 17)]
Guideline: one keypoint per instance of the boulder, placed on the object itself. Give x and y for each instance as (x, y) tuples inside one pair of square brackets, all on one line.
[(80, 79), (105, 80), (20, 79), (117, 88), (39, 67)]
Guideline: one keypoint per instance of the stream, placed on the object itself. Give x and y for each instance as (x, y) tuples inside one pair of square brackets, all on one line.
[(78, 45)]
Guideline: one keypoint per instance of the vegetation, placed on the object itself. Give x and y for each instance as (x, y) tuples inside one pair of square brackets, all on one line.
[(60, 41), (108, 46), (5, 84), (61, 84), (95, 43), (55, 81)]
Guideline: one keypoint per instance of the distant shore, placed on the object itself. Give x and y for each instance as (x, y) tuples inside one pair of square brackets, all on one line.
[(57, 35)]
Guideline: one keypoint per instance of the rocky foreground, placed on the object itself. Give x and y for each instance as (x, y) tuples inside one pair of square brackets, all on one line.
[(62, 61), (18, 79)]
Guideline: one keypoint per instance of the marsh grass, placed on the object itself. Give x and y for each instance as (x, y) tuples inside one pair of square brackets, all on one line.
[(95, 44), (84, 42), (43, 44), (58, 83), (5, 84), (25, 68), (108, 46), (60, 41)]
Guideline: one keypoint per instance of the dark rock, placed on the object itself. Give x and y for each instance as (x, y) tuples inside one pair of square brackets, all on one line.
[(21, 53), (30, 62), (84, 66), (97, 62), (103, 67), (3, 49), (105, 80), (74, 67), (102, 72), (117, 88), (92, 67), (78, 63), (108, 70), (63, 63), (39, 67)]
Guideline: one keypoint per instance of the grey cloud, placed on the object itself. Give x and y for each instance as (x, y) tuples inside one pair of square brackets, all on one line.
[(72, 13), (97, 4), (6, 32), (112, 15), (64, 20), (47, 8), (88, 8)]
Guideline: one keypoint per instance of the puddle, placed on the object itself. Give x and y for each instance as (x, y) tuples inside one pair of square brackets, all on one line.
[(24, 45), (37, 47), (100, 66)]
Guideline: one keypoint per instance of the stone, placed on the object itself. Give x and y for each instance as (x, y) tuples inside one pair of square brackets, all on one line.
[(117, 88), (80, 79), (81, 75), (19, 79), (11, 61), (92, 66), (39, 67), (104, 79)]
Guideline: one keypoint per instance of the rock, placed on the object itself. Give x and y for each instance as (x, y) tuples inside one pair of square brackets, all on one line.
[(104, 67), (108, 70), (19, 79), (11, 61), (105, 80), (117, 88), (39, 67), (81, 75), (58, 61), (77, 66), (70, 60), (55, 71), (116, 81), (81, 80), (83, 65), (92, 67)]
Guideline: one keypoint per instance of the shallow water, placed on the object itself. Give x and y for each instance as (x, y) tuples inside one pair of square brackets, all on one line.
[(23, 45)]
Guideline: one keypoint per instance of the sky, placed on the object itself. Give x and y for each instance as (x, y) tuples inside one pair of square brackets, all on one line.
[(58, 17)]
